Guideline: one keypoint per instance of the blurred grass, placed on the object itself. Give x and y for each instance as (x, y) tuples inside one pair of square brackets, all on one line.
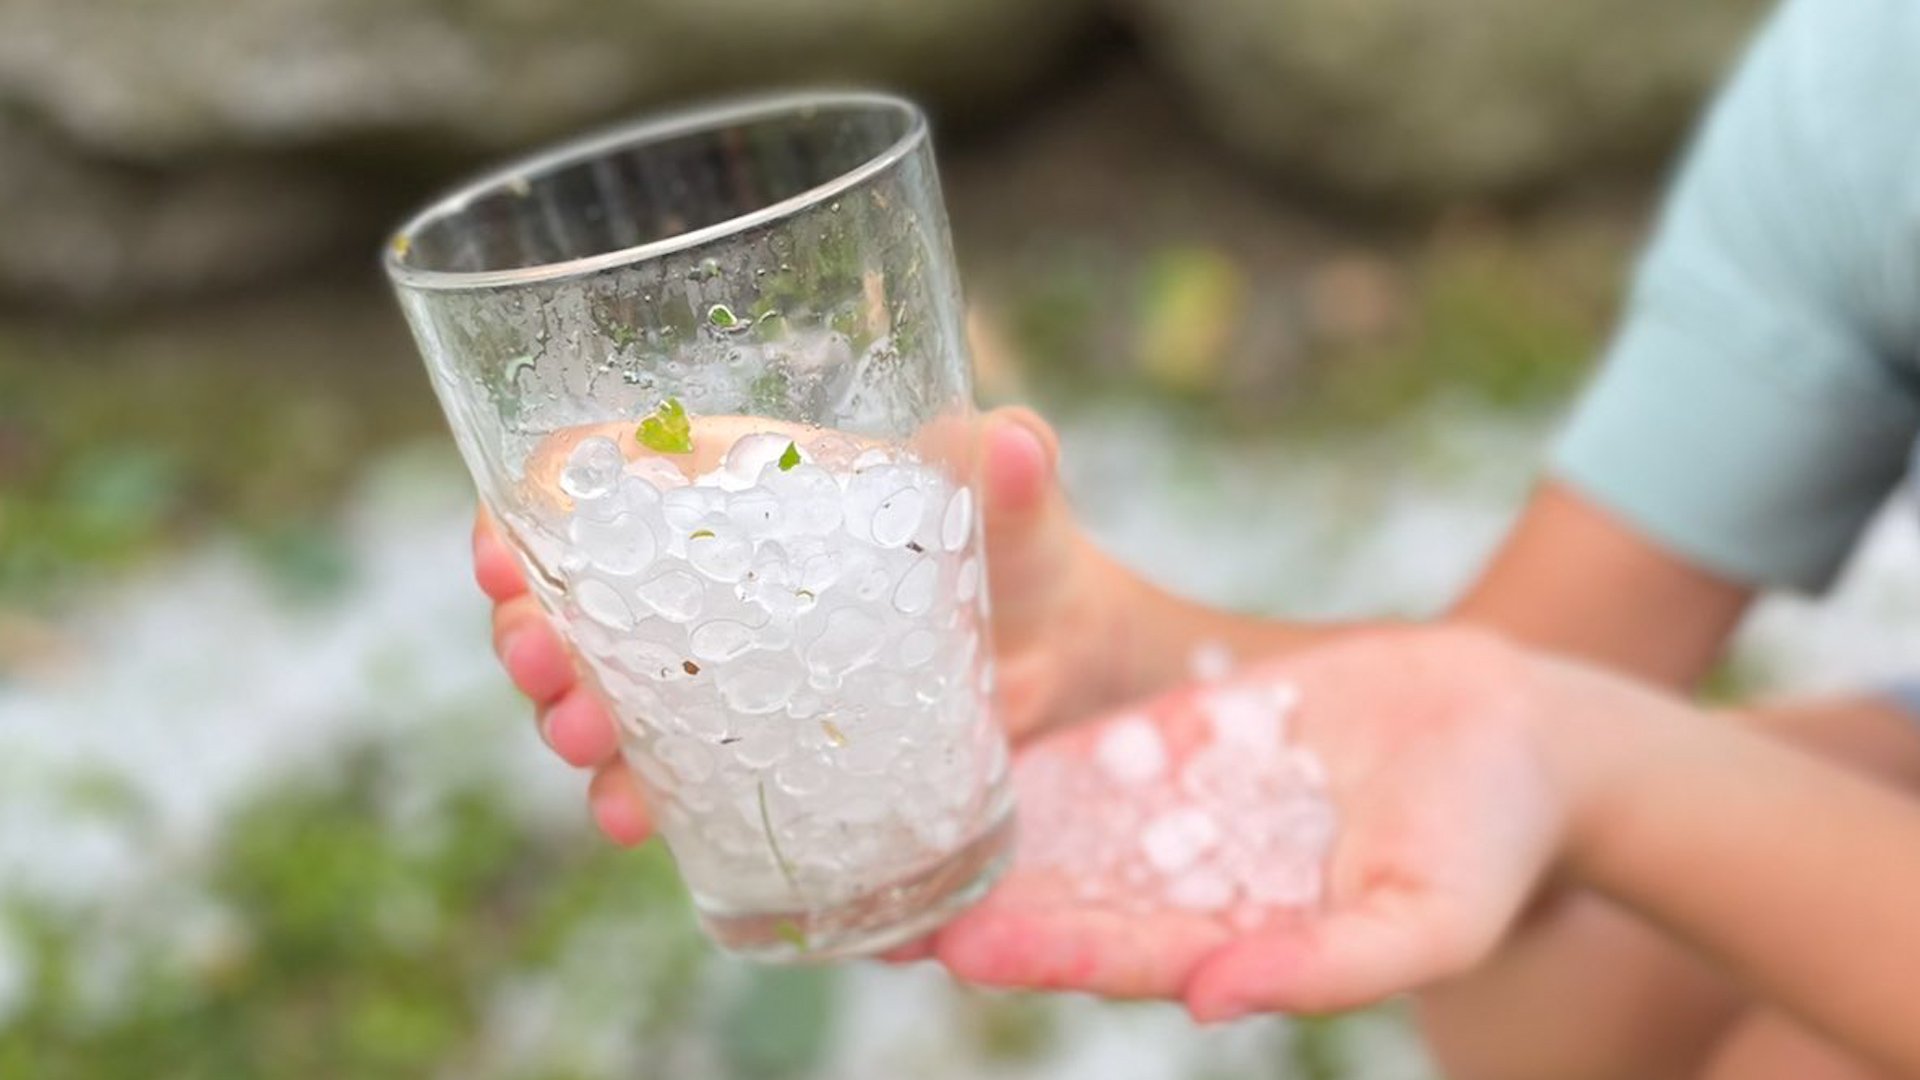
[(1481, 313), (366, 950), (119, 439)]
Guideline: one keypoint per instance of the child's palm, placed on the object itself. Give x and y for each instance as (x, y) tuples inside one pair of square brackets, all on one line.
[(1446, 820)]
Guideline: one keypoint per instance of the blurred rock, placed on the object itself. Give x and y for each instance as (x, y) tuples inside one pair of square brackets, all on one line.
[(1418, 103), (167, 79), (173, 146), (1355, 298), (101, 232)]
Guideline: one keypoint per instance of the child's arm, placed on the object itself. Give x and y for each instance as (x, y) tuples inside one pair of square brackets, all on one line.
[(1800, 879), (1467, 773), (1570, 578)]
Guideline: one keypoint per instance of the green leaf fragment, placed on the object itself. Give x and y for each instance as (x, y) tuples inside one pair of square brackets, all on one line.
[(790, 458), (722, 317), (667, 430), (789, 931)]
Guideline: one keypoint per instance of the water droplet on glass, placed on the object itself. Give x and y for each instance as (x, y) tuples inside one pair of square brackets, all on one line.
[(958, 523), (968, 582)]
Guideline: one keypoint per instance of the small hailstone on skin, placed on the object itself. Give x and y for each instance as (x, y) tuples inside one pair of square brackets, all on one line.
[(1131, 751), (1251, 717), (1237, 829), (1210, 661), (1200, 890), (1176, 838)]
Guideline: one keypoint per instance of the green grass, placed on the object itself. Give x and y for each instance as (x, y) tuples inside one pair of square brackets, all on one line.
[(118, 440), (1500, 318), (366, 949)]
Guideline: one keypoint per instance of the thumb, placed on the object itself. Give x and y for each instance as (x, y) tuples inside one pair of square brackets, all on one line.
[(1029, 531), (1325, 964)]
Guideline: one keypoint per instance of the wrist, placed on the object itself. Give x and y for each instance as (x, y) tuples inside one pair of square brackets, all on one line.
[(1605, 739)]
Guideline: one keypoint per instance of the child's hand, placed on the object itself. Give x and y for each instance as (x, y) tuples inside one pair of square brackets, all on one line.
[(1450, 808), (1053, 597)]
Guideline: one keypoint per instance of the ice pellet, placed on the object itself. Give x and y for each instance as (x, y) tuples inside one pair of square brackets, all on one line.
[(603, 604), (809, 497), (1210, 661), (804, 775), (690, 762), (1131, 751), (622, 545), (783, 652), (1175, 839), (1237, 827), (917, 647), (915, 591), (897, 516), (748, 456), (720, 639), (593, 469), (719, 552), (851, 638), (1251, 717), (759, 747), (662, 474), (758, 513), (675, 595), (1200, 890), (762, 686)]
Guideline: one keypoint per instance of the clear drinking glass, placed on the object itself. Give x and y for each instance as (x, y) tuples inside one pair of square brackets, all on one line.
[(709, 375)]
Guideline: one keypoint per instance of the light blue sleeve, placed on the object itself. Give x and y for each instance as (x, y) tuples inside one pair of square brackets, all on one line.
[(1761, 393)]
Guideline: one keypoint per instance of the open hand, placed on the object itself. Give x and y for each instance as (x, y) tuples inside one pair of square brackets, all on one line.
[(1449, 811)]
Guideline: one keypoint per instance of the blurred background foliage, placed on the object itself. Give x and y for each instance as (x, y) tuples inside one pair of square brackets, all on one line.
[(1307, 219)]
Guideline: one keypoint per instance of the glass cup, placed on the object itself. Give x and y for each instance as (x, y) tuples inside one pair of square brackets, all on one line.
[(709, 375)]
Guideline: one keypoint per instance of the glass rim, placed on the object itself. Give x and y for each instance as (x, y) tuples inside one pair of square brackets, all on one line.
[(711, 117)]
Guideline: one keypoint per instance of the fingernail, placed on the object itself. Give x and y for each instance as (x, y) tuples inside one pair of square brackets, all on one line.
[(1032, 439)]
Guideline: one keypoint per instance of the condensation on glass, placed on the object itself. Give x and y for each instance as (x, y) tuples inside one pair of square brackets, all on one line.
[(709, 374)]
